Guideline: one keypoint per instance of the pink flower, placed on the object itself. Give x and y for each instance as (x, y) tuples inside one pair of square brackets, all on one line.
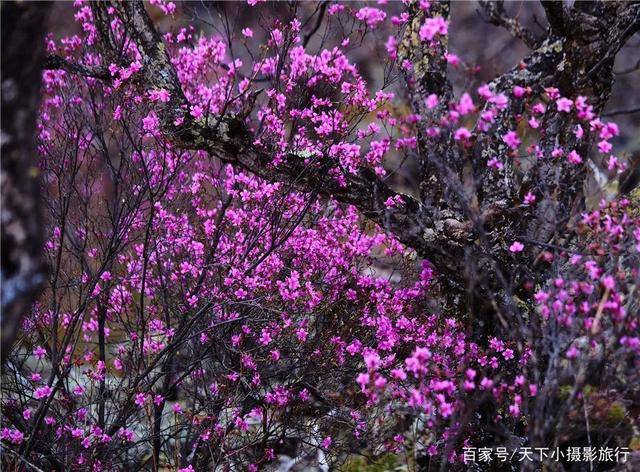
[(197, 111), (452, 59), (363, 380), (127, 434), (241, 423), (529, 198), (247, 33), (486, 383), (277, 36), (301, 334), (265, 337), (552, 92), (578, 132), (511, 139), (485, 92), (117, 113), (326, 442), (371, 16), (518, 91), (500, 101), (433, 131), (140, 399), (609, 130), (334, 9), (399, 374), (392, 47), (574, 158), (433, 26), (150, 123), (466, 104), (604, 147), (564, 104), (572, 352), (539, 108), (40, 352), (159, 95), (431, 101), (168, 8), (446, 409), (424, 5), (608, 282), (495, 163), (42, 392), (14, 435), (461, 134), (516, 247), (371, 360)]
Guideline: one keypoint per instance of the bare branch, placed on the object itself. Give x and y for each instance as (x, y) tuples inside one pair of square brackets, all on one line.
[(626, 111), (498, 16), (53, 62)]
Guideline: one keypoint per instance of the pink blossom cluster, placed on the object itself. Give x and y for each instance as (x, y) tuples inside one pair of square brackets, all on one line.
[(175, 272), (588, 298)]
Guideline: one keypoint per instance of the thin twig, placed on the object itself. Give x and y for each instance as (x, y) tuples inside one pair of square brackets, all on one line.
[(628, 111), (37, 469)]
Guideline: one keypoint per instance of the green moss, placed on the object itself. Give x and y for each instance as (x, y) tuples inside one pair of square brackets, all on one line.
[(386, 463), (587, 391), (616, 414), (564, 391)]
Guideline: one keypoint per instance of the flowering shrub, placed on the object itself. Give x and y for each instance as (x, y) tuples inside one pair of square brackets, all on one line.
[(235, 277)]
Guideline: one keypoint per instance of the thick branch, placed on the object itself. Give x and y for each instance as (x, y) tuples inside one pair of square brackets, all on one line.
[(555, 15), (53, 62), (428, 76)]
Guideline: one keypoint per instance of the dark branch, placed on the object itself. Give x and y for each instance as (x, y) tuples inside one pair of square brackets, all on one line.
[(555, 15), (628, 111), (498, 16), (54, 62)]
